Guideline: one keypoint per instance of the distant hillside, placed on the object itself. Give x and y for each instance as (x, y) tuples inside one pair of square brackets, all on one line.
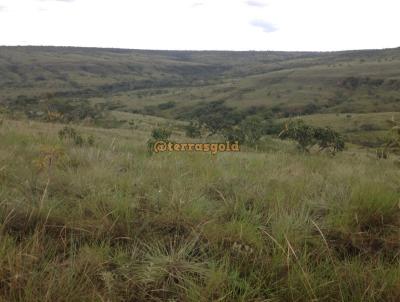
[(170, 83)]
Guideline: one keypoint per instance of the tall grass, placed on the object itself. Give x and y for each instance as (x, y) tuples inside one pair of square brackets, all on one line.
[(118, 225)]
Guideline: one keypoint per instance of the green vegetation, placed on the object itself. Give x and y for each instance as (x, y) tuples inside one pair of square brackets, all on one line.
[(308, 136), (109, 223), (68, 133), (193, 130), (87, 215), (88, 85), (249, 131), (392, 144), (158, 134)]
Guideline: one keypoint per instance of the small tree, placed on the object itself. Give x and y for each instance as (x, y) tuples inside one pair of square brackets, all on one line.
[(300, 132), (308, 136), (252, 128), (329, 139), (249, 131)]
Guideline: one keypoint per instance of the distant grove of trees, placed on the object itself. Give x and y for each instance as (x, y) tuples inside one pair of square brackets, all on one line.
[(216, 118), (56, 109), (247, 127), (355, 82)]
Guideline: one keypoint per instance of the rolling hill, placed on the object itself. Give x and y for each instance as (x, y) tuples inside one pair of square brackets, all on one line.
[(89, 211), (171, 83)]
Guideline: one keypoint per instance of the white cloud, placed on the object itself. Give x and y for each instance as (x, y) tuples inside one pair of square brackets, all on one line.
[(56, 0), (203, 24), (197, 4), (264, 25), (256, 3)]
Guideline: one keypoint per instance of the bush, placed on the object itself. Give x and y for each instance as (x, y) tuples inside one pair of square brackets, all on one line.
[(300, 132), (392, 142), (382, 153), (252, 128), (215, 117), (67, 133), (308, 136), (271, 127), (310, 108), (369, 127), (234, 135), (158, 134), (249, 131), (168, 105), (91, 140), (329, 139), (75, 110), (70, 134), (161, 134), (193, 130)]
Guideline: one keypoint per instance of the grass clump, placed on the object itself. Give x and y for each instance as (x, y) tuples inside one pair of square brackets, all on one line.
[(71, 135)]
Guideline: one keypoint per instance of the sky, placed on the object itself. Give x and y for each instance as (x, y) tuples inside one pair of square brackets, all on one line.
[(288, 25)]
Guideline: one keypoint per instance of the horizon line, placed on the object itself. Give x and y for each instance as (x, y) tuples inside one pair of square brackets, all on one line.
[(199, 50)]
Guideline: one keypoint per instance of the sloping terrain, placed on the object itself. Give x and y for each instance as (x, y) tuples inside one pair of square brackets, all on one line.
[(353, 81), (108, 222), (173, 84)]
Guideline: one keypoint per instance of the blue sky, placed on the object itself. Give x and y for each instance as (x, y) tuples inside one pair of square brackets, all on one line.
[(319, 25)]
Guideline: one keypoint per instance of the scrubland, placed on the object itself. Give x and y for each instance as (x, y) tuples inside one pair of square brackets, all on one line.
[(109, 222)]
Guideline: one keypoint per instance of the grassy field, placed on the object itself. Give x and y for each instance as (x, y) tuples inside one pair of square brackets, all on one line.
[(109, 222), (354, 92), (133, 80), (97, 217)]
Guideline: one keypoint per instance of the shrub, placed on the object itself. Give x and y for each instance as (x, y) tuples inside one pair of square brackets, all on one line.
[(90, 140), (71, 135), (167, 105), (234, 135), (329, 139), (300, 132), (369, 127), (308, 136), (249, 131), (161, 134), (215, 117), (271, 127), (310, 108), (158, 134), (382, 153), (62, 110), (193, 130), (67, 133), (392, 142), (252, 128)]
